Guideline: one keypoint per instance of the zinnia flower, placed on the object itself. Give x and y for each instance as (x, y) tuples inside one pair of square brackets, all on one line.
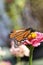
[(35, 40)]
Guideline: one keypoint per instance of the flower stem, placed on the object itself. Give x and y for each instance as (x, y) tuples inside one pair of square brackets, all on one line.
[(31, 55), (18, 59)]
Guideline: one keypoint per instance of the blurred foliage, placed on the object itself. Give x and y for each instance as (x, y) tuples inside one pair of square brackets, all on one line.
[(37, 11), (14, 10), (37, 7), (20, 3), (18, 10)]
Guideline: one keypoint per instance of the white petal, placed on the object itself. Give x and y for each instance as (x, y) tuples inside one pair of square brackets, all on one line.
[(26, 50)]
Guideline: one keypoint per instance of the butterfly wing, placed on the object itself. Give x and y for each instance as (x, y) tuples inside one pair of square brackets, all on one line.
[(20, 35)]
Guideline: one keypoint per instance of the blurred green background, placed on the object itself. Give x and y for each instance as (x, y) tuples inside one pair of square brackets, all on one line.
[(19, 14)]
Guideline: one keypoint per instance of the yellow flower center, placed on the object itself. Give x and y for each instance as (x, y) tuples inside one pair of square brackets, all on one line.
[(32, 35)]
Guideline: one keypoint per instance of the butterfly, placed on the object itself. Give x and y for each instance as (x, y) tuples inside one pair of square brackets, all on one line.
[(21, 35)]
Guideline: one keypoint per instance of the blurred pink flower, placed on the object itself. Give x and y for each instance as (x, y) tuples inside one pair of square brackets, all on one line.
[(5, 63), (20, 51), (35, 41)]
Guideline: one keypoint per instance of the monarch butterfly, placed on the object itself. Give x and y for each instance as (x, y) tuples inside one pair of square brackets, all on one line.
[(20, 35)]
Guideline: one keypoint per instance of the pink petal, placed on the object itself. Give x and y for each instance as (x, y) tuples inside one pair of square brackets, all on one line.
[(39, 36), (26, 42), (36, 44)]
